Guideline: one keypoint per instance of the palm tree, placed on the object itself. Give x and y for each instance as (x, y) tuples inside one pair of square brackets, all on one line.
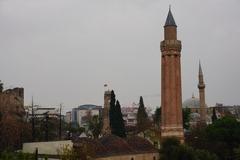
[(95, 126)]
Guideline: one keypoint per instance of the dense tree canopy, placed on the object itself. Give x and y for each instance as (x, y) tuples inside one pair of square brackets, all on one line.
[(222, 137), (171, 149)]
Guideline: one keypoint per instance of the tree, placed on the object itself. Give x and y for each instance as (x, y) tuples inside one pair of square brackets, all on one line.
[(95, 126), (120, 127), (116, 120), (142, 117), (205, 155), (74, 129), (186, 117), (171, 149), (214, 115), (157, 117), (224, 133), (237, 153), (168, 147), (1, 86), (221, 137), (112, 112)]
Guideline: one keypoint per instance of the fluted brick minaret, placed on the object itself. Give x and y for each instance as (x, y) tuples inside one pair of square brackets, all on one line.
[(106, 121), (171, 91), (201, 87)]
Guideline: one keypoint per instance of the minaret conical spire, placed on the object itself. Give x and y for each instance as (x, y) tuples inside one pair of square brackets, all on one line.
[(201, 87), (170, 20), (200, 68)]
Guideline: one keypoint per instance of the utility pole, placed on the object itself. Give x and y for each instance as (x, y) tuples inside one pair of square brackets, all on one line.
[(46, 126), (60, 122), (33, 123)]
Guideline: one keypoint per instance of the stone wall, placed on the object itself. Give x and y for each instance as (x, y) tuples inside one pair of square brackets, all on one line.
[(12, 101), (46, 148)]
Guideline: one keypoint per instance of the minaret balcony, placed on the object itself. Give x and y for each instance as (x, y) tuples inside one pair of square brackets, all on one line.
[(168, 45), (201, 86)]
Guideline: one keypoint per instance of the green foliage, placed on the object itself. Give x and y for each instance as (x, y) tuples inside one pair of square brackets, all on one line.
[(157, 117), (75, 128), (186, 117), (171, 149), (205, 155), (221, 137), (237, 153), (226, 130), (116, 119), (1, 86), (142, 117), (83, 151), (214, 115), (112, 111), (225, 133), (7, 155), (68, 153), (95, 126), (120, 127)]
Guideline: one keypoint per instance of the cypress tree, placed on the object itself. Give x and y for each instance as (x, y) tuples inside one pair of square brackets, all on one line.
[(116, 119), (157, 117), (120, 127), (142, 117), (112, 112)]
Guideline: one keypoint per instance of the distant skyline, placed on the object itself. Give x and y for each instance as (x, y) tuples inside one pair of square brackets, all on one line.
[(64, 51)]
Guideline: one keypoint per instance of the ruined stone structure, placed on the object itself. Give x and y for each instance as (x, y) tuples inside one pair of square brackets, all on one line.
[(171, 91), (106, 121), (201, 87), (12, 102)]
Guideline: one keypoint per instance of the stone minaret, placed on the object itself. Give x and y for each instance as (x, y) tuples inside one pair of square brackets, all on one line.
[(201, 87), (171, 93), (106, 122)]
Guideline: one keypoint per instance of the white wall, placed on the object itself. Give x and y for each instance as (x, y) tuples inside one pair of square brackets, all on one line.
[(49, 148)]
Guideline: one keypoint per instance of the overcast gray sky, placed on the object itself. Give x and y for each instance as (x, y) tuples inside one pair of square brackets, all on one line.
[(66, 50)]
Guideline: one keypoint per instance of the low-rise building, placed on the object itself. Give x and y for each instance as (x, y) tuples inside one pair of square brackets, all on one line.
[(83, 113), (227, 110), (40, 111), (68, 117), (108, 147), (130, 114)]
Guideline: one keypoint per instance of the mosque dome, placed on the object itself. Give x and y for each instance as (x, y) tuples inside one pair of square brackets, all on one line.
[(192, 102)]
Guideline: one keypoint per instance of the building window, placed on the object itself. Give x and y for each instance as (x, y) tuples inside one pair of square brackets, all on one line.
[(132, 158), (154, 158)]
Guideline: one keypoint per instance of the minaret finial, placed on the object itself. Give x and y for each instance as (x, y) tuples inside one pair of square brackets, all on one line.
[(169, 7), (32, 101), (193, 95)]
